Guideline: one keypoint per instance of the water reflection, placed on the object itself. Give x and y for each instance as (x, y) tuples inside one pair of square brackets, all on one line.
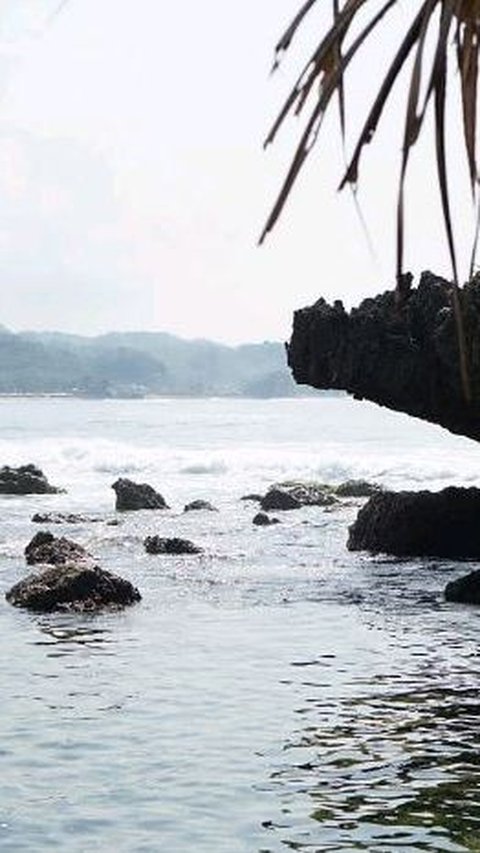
[(393, 769), (65, 635)]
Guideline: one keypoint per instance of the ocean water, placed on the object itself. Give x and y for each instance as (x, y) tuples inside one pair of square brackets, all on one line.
[(275, 693)]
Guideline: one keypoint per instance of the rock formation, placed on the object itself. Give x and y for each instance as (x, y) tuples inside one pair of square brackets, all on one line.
[(420, 524), (161, 545), (193, 506), (77, 587), (25, 480), (293, 495), (135, 496), (357, 489), (261, 519), (399, 351), (465, 590), (64, 518), (47, 548)]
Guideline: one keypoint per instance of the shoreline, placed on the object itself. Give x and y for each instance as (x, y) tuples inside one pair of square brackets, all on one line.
[(58, 395)]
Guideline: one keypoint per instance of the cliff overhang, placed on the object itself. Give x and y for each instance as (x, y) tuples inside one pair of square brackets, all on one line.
[(400, 350)]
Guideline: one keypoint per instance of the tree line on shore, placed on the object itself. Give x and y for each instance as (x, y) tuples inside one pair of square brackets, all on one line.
[(137, 364)]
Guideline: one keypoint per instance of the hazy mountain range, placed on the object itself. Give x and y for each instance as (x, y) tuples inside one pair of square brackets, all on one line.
[(128, 364)]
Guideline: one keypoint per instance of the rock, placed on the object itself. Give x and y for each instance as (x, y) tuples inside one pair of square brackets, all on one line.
[(422, 524), (199, 504), (357, 489), (293, 495), (135, 496), (400, 353), (25, 480), (264, 520), (465, 590), (63, 518), (46, 548), (76, 587), (252, 497), (159, 545)]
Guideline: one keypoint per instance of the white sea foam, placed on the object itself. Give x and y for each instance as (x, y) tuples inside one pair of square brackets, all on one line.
[(226, 446)]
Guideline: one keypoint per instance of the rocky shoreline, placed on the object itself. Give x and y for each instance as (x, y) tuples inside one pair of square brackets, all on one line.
[(402, 524)]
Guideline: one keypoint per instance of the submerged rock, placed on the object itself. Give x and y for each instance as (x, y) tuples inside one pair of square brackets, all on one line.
[(293, 495), (465, 590), (416, 524), (160, 545), (199, 504), (357, 489), (63, 518), (47, 548), (25, 480), (261, 519), (76, 587), (134, 496)]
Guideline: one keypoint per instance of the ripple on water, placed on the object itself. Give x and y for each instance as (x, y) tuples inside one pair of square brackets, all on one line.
[(391, 764)]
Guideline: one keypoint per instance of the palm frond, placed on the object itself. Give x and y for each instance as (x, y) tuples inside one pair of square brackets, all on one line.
[(325, 71), (324, 75)]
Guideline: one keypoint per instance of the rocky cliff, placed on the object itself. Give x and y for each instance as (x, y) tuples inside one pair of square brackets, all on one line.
[(398, 350)]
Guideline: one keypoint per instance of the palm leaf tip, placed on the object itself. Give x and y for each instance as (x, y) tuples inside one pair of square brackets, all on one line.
[(353, 24)]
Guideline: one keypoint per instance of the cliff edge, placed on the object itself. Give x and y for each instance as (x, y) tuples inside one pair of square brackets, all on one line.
[(400, 353)]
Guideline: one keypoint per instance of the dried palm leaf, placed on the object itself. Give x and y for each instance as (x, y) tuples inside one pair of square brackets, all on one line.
[(324, 75)]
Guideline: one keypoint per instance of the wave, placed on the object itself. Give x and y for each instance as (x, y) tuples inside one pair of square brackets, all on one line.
[(65, 459), (212, 467), (230, 448)]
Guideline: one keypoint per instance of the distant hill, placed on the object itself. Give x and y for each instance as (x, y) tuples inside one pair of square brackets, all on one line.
[(131, 364)]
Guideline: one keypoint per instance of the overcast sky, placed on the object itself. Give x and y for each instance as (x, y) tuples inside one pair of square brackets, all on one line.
[(133, 184)]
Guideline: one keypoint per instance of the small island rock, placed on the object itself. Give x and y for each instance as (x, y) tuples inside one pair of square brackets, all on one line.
[(357, 489), (198, 505), (78, 587), (465, 590), (63, 518), (25, 480), (419, 524), (160, 545), (134, 496), (293, 495), (261, 519), (47, 548)]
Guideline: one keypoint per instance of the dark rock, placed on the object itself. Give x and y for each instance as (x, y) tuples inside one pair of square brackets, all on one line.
[(357, 489), (465, 590), (293, 495), (264, 520), (46, 548), (76, 587), (400, 352), (158, 545), (135, 496), (199, 504), (25, 480), (63, 518), (430, 524), (252, 497)]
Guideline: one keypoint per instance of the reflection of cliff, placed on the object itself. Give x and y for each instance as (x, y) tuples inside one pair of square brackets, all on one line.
[(401, 355)]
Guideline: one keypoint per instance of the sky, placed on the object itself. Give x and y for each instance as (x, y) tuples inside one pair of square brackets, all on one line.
[(134, 184)]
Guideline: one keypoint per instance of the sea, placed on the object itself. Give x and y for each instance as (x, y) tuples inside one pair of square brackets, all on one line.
[(276, 692)]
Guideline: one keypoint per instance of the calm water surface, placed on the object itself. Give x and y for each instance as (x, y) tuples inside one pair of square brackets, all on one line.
[(277, 692)]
